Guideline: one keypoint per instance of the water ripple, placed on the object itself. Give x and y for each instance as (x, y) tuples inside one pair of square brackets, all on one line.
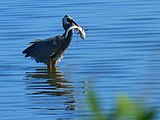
[(121, 54)]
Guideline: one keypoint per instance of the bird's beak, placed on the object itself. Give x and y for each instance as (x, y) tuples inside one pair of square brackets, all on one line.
[(73, 22)]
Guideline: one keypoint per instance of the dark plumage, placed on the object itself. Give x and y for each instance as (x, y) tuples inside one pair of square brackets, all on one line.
[(51, 50)]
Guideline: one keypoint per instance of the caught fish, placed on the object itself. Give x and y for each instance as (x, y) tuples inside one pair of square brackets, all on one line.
[(80, 31)]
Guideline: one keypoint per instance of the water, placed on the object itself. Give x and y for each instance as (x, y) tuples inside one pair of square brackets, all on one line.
[(121, 54)]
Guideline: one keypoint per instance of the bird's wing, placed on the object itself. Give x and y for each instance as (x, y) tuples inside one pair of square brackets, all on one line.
[(41, 50)]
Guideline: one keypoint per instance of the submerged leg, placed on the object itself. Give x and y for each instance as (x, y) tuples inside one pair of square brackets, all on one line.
[(51, 66)]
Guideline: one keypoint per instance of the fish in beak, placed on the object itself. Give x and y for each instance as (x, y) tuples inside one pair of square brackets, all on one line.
[(74, 25), (81, 31)]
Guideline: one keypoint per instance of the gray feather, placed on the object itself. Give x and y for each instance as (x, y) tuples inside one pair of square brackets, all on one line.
[(42, 50)]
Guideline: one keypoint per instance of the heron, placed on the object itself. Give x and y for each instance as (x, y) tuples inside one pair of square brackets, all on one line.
[(50, 51)]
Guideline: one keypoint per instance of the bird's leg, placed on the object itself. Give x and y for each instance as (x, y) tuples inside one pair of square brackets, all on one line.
[(49, 65), (53, 65)]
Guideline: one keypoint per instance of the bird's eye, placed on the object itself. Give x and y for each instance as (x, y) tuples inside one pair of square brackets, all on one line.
[(68, 16)]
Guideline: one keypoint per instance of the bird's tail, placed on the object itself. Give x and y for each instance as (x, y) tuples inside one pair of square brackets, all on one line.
[(28, 50)]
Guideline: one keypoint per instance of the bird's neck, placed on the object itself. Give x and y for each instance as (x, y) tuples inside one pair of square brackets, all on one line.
[(70, 34), (68, 38), (66, 41)]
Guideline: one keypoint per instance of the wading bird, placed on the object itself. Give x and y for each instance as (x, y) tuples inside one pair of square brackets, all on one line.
[(51, 50)]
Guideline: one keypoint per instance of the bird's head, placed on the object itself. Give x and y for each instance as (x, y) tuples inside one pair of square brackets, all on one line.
[(67, 22)]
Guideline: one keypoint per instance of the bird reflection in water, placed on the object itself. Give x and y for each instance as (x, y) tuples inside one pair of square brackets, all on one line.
[(50, 91)]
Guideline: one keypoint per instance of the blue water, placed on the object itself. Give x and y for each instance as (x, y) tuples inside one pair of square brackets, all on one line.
[(121, 54)]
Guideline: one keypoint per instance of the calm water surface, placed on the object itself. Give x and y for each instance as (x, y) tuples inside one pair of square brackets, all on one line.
[(121, 54)]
